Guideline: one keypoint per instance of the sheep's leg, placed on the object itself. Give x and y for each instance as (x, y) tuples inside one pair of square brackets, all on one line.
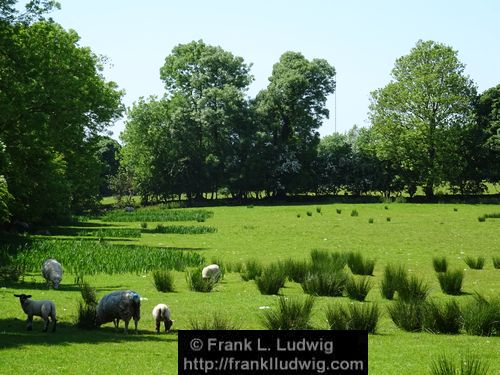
[(29, 323), (165, 323), (135, 324), (158, 326), (116, 322), (46, 324), (54, 321), (126, 325)]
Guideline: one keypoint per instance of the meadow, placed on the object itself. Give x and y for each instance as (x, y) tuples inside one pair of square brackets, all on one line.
[(390, 233)]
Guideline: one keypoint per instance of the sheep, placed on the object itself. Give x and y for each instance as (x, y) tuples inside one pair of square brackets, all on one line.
[(161, 313), (52, 272), (122, 304), (43, 309), (211, 271)]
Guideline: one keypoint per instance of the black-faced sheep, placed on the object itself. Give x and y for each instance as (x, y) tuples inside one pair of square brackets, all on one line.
[(43, 309), (123, 304), (161, 313), (52, 272)]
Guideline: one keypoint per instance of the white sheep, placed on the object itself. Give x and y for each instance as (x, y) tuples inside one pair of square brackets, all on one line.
[(123, 304), (52, 272), (43, 309), (211, 271), (161, 313)]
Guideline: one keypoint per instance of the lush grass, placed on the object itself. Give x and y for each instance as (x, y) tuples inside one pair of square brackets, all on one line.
[(325, 283), (393, 278), (440, 264), (467, 365), (268, 234), (155, 214), (475, 263), (359, 265), (451, 282), (358, 288), (353, 317), (271, 280), (289, 314), (163, 280), (181, 229), (442, 317)]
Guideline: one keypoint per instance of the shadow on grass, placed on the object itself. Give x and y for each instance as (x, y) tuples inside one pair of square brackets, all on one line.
[(42, 286), (13, 334)]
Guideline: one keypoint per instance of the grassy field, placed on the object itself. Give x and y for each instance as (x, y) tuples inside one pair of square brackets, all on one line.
[(413, 236)]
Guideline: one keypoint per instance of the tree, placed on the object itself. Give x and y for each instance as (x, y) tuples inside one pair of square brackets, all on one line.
[(420, 116), (488, 114), (54, 104), (291, 110), (108, 154)]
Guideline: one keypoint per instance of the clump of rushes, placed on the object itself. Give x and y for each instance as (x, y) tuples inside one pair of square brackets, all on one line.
[(325, 260), (440, 264), (295, 270), (271, 280), (496, 262), (451, 282), (468, 365), (388, 219), (290, 314), (442, 318), (407, 315), (481, 316), (355, 316), (325, 283), (394, 276), (144, 225), (339, 211), (481, 219), (163, 280), (251, 270), (354, 213), (298, 215), (370, 220), (359, 265), (475, 263), (197, 283), (318, 210), (86, 308), (217, 322), (358, 289), (309, 213), (413, 290)]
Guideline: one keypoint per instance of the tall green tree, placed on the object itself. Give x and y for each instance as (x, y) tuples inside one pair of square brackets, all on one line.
[(54, 103), (420, 116), (291, 110), (488, 114)]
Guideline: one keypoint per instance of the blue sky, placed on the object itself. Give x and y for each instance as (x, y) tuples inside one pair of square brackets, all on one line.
[(361, 39)]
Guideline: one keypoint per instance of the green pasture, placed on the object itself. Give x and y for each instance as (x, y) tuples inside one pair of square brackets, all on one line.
[(413, 236)]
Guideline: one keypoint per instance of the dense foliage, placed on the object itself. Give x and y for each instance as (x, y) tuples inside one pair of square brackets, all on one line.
[(54, 103)]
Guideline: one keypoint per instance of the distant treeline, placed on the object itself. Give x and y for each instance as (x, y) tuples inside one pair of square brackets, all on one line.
[(206, 138)]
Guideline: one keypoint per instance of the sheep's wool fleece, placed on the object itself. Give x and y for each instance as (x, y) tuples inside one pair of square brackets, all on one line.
[(52, 268), (120, 304)]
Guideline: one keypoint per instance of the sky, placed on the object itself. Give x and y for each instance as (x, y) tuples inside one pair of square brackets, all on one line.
[(361, 39)]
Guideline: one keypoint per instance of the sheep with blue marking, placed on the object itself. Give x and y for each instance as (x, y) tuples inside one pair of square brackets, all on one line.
[(122, 304), (52, 272), (43, 309)]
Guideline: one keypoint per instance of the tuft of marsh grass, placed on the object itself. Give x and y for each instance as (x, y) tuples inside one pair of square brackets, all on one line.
[(496, 262), (355, 316), (370, 220), (318, 210), (325, 260), (295, 270), (388, 219), (144, 225), (217, 322), (339, 211), (359, 265), (394, 277), (271, 280), (89, 295), (86, 314), (481, 316), (289, 314), (451, 282), (408, 316), (474, 263), (358, 288), (110, 232), (495, 215), (442, 317), (325, 283), (354, 213), (440, 264), (309, 213), (481, 219), (163, 280), (469, 365), (197, 283), (413, 290), (252, 269)]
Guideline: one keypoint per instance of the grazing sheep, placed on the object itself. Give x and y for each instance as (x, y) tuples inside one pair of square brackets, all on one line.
[(211, 271), (52, 272), (123, 304), (161, 313), (43, 309)]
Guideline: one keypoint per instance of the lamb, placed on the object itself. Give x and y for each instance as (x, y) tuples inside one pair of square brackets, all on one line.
[(52, 272), (43, 309), (122, 304), (161, 313), (211, 271)]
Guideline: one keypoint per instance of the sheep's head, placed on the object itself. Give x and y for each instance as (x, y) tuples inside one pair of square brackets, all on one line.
[(56, 281), (168, 324), (23, 297)]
